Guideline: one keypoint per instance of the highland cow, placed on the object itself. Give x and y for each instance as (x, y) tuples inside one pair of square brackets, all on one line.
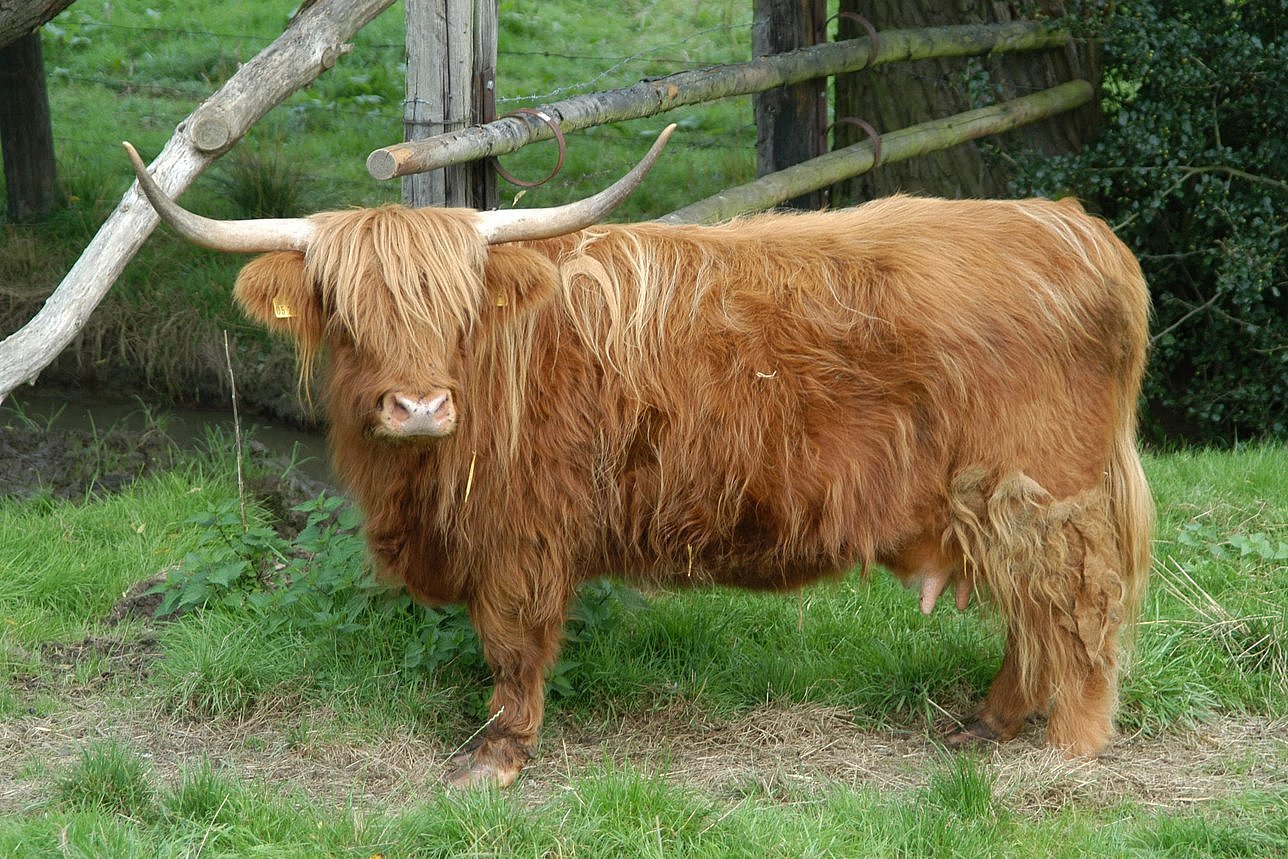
[(523, 401)]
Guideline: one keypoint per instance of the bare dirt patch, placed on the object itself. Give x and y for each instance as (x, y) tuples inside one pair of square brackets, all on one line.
[(780, 751), (776, 752), (69, 464)]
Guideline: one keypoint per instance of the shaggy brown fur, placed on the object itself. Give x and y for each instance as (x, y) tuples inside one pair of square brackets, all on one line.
[(944, 387)]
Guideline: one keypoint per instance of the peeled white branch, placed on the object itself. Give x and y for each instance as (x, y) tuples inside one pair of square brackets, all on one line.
[(310, 45)]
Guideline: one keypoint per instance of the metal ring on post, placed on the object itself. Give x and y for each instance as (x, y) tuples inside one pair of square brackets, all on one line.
[(867, 25), (563, 149), (871, 132)]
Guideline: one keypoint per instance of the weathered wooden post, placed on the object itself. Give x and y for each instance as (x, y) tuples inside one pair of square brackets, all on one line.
[(451, 68), (790, 121)]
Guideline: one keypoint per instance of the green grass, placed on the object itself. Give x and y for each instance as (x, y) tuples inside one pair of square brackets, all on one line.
[(108, 778), (64, 563), (628, 813), (860, 647), (133, 71), (1216, 606), (223, 666)]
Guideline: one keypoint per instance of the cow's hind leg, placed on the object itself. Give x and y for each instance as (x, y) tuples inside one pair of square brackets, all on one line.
[(520, 638), (1050, 567), (1011, 699), (1085, 688)]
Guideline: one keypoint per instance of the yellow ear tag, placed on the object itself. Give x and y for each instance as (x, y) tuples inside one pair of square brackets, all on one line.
[(502, 300), (281, 309)]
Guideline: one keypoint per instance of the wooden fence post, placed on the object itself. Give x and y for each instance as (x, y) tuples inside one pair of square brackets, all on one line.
[(790, 121), (451, 63)]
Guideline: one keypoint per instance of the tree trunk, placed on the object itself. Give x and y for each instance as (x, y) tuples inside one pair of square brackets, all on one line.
[(26, 138), (896, 96), (789, 120), (912, 142)]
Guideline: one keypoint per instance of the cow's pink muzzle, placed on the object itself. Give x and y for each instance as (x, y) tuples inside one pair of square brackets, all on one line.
[(409, 415)]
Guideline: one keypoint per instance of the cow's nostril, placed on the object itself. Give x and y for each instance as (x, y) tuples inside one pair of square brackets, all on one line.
[(390, 406), (438, 404)]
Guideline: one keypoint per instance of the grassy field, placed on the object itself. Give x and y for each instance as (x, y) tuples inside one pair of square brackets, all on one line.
[(316, 718)]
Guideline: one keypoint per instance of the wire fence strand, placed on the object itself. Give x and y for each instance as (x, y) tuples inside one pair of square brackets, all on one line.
[(365, 88)]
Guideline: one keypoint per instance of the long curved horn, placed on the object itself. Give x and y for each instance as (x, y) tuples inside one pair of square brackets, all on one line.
[(514, 225), (254, 236)]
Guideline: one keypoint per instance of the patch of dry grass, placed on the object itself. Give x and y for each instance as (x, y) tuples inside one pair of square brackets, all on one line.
[(784, 753)]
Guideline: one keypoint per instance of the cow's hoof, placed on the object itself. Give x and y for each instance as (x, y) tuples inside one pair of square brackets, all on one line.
[(467, 773), (974, 735), (493, 762)]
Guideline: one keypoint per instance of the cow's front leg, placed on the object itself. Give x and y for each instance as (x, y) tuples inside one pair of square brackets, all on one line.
[(520, 633)]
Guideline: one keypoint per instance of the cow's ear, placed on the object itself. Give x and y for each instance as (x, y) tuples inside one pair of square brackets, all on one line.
[(518, 278), (273, 289)]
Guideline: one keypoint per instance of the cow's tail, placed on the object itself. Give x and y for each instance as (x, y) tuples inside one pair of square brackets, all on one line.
[(1131, 505), (1132, 510)]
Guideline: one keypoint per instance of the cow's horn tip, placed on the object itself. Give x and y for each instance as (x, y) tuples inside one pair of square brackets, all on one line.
[(133, 154)]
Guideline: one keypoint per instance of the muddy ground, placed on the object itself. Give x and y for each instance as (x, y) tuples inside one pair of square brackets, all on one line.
[(772, 751), (67, 464)]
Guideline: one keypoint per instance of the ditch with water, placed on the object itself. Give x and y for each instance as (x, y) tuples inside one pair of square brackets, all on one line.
[(64, 445)]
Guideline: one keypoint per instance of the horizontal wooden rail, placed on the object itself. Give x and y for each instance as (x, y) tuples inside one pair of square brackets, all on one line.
[(768, 191), (650, 97)]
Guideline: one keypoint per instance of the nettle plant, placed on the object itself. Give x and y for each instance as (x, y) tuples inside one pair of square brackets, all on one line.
[(318, 577), (320, 583), (1191, 169)]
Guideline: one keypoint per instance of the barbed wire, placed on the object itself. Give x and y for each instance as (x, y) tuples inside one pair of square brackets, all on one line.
[(94, 22), (652, 55), (665, 58), (398, 46), (642, 55), (123, 85)]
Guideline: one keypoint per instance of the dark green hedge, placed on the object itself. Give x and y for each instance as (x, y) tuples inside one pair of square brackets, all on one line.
[(1191, 168)]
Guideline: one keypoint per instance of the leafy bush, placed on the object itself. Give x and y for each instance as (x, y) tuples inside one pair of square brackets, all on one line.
[(1191, 169)]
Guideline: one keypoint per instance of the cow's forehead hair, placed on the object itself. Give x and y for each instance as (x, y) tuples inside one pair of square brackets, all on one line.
[(397, 278)]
